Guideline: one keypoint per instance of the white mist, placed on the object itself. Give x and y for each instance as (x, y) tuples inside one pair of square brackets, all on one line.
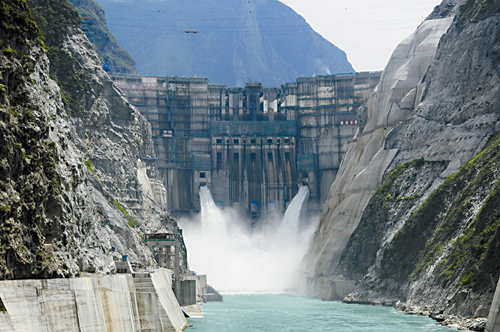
[(236, 258)]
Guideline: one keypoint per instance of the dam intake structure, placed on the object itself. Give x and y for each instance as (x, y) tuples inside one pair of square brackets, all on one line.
[(249, 145), (240, 258)]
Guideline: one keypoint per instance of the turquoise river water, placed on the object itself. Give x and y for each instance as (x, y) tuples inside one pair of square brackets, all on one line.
[(281, 312)]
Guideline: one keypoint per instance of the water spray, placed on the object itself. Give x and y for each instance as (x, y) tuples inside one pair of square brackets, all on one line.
[(237, 258)]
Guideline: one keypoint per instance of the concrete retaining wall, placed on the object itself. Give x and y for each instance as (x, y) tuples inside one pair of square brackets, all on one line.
[(493, 324), (94, 304), (162, 281), (201, 285)]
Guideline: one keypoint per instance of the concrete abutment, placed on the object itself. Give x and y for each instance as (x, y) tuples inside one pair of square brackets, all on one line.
[(125, 302)]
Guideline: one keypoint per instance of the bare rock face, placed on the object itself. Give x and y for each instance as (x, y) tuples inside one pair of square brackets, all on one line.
[(428, 238), (368, 157), (459, 114), (69, 186)]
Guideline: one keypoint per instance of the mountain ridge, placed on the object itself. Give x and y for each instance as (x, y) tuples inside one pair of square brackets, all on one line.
[(93, 23), (230, 42)]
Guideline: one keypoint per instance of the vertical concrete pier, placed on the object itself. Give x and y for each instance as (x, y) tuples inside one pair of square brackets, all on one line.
[(493, 323)]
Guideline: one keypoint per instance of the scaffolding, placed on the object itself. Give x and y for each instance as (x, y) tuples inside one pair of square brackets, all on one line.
[(254, 128), (271, 133)]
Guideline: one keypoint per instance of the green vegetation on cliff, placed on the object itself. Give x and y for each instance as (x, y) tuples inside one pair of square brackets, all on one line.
[(458, 227), (130, 219), (56, 20), (473, 256), (18, 27), (474, 10), (93, 22), (56, 218), (386, 208), (30, 203)]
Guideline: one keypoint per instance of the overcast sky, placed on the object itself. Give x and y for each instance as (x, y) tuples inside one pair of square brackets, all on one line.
[(367, 30)]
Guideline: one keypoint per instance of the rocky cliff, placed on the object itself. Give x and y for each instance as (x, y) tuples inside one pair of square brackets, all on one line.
[(70, 146), (93, 22), (425, 237)]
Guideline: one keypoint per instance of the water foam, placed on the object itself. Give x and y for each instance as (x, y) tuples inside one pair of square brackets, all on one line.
[(237, 258)]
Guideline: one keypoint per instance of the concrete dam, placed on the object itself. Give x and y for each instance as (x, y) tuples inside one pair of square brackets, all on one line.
[(250, 146)]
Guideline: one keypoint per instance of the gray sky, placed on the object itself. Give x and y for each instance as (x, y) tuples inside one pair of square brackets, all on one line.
[(367, 30)]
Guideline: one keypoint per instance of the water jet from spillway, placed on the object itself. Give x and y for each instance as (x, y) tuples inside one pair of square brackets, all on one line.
[(237, 258)]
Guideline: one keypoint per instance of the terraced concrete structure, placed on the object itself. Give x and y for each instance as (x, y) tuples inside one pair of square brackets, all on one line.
[(251, 146), (140, 302)]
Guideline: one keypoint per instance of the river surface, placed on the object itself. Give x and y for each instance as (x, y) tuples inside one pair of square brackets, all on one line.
[(281, 312)]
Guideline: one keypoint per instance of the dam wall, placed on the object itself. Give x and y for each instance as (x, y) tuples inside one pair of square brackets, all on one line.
[(93, 304), (251, 146)]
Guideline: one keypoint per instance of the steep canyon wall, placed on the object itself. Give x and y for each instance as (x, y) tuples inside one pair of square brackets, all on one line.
[(425, 235), (367, 156), (70, 145)]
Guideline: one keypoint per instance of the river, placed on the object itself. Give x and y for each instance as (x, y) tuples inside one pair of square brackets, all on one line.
[(281, 312), (264, 260)]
